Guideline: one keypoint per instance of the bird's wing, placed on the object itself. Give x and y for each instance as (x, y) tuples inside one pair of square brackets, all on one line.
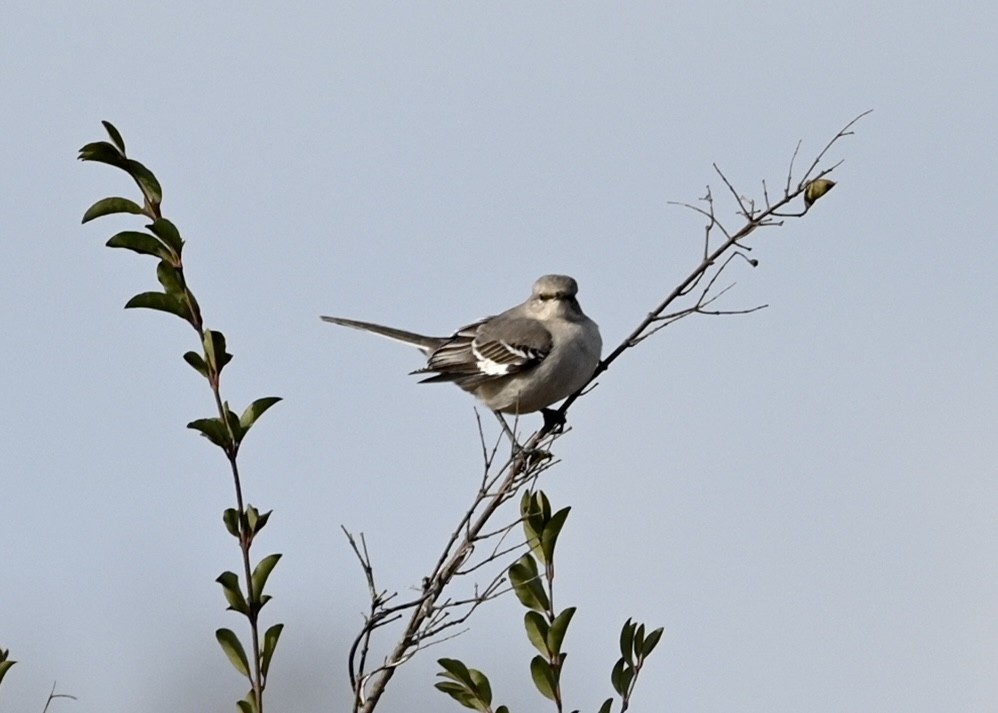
[(489, 349)]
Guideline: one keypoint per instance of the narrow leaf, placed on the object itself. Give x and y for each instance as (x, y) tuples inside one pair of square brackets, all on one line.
[(556, 635), (230, 644), (252, 515), (451, 688), (269, 645), (526, 584), (146, 180), (255, 410), (457, 670), (231, 519), (260, 521), (459, 693), (607, 706), (214, 430), (141, 243), (160, 301), (627, 641), (262, 571), (481, 687), (5, 667), (197, 362), (171, 279), (233, 420), (233, 594), (248, 704), (103, 152), (537, 632), (617, 677), (214, 350), (115, 136), (109, 206), (549, 538), (651, 641), (168, 233), (639, 638), (543, 675)]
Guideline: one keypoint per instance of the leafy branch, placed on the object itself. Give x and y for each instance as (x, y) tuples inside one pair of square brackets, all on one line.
[(226, 430), (532, 578)]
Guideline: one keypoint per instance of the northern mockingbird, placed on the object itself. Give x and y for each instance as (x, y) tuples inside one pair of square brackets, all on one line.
[(517, 362)]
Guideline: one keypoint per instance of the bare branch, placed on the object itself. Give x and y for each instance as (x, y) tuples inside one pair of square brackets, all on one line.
[(843, 132), (742, 210), (433, 611)]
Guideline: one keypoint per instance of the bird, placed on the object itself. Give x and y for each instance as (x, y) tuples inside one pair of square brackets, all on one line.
[(517, 362)]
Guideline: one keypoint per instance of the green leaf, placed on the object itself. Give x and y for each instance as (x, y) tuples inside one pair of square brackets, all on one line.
[(269, 645), (607, 706), (233, 649), (141, 243), (233, 420), (255, 410), (456, 671), (549, 537), (537, 632), (527, 585), (617, 677), (556, 635), (231, 519), (109, 206), (651, 642), (816, 189), (481, 686), (146, 180), (171, 279), (214, 350), (262, 571), (233, 594), (639, 638), (168, 233), (5, 666), (544, 677), (103, 152), (248, 703), (627, 641), (115, 136), (621, 677), (214, 430), (195, 360), (459, 693), (535, 510), (160, 301), (257, 521), (502, 709)]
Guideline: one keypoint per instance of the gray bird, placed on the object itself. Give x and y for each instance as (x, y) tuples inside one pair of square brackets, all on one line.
[(517, 362)]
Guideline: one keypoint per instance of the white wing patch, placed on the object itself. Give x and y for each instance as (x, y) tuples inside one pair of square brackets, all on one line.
[(498, 357)]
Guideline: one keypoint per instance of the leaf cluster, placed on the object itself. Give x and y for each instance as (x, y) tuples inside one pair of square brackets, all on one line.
[(532, 580)]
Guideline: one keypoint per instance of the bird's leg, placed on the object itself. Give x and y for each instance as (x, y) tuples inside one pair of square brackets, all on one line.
[(554, 421), (508, 430)]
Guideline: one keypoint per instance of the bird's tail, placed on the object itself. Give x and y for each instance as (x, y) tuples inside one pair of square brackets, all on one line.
[(420, 341)]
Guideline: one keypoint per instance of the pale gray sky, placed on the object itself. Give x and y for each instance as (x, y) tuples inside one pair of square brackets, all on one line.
[(805, 497)]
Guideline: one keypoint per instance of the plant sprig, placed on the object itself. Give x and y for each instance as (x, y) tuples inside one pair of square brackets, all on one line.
[(226, 430)]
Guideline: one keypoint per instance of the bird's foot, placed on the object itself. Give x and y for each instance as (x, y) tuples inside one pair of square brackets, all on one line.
[(554, 421)]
